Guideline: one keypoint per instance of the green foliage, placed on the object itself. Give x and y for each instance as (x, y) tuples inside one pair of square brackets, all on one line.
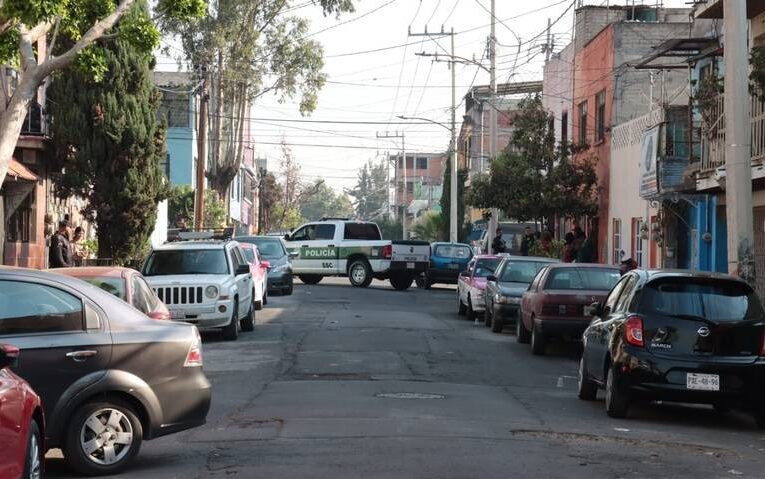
[(708, 90), (32, 12), (9, 47), (370, 195), (429, 227), (533, 179), (390, 229), (108, 138), (757, 75), (92, 61), (215, 211), (463, 229), (555, 249), (180, 203), (322, 201), (289, 217)]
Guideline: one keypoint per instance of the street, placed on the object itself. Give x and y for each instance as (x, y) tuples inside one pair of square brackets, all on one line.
[(348, 382)]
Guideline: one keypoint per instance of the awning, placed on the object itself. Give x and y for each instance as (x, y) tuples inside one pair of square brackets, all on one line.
[(682, 50), (18, 171)]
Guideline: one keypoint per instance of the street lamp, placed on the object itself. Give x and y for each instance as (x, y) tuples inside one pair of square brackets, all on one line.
[(453, 176)]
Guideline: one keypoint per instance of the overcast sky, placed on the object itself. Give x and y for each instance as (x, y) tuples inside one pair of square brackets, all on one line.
[(378, 86)]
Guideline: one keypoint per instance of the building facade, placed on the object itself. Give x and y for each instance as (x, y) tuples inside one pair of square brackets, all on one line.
[(419, 188)]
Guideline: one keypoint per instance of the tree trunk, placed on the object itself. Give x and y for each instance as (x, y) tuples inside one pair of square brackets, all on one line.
[(12, 119)]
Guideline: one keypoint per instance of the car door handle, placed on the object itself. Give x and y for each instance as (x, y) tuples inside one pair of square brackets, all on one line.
[(81, 355), (305, 246)]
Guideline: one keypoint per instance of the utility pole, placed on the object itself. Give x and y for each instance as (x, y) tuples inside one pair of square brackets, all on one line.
[(494, 220), (738, 187), (199, 194), (453, 206), (403, 161)]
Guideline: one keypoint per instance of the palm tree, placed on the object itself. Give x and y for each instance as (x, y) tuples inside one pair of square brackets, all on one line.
[(429, 227)]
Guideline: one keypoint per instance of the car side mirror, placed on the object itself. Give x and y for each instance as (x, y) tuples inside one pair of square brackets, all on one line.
[(9, 356), (596, 309), (243, 269), (492, 278), (265, 264), (294, 254)]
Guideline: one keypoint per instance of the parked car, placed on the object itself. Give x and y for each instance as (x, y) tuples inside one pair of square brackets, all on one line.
[(259, 269), (127, 284), (506, 286), (22, 424), (558, 301), (447, 260), (280, 261), (472, 284), (108, 376), (204, 280), (681, 336)]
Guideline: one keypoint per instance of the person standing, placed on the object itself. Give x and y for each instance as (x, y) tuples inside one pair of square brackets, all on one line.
[(79, 251), (498, 245), (528, 241), (569, 252), (60, 254)]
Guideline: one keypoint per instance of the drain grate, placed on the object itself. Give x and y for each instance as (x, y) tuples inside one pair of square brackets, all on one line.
[(410, 396)]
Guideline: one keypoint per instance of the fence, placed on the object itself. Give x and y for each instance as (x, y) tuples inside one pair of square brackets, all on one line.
[(713, 133)]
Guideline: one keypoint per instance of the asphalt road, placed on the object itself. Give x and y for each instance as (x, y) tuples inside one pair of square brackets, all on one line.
[(344, 382)]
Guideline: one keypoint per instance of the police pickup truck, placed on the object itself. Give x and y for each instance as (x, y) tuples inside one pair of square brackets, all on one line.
[(341, 247)]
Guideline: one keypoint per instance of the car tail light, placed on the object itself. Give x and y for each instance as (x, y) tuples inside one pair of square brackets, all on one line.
[(634, 331), (387, 251), (194, 356), (161, 315)]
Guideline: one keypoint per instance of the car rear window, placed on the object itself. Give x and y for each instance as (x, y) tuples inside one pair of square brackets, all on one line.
[(269, 248), (362, 231), (115, 286), (596, 279), (521, 271), (715, 300), (191, 261), (452, 251), (485, 267)]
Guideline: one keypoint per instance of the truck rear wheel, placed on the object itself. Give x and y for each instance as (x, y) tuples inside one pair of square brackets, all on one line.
[(360, 273), (310, 278), (401, 281)]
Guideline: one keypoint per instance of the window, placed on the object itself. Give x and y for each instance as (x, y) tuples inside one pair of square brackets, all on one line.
[(600, 116), (191, 261), (148, 294), (35, 308), (410, 188), (583, 123), (325, 232), (422, 163), (452, 251), (174, 107), (597, 279), (610, 303), (269, 248), (249, 255), (140, 301), (564, 127), (535, 284), (361, 231), (637, 241), (409, 162), (306, 233), (627, 294), (115, 286), (20, 222), (520, 271), (617, 241), (485, 267)]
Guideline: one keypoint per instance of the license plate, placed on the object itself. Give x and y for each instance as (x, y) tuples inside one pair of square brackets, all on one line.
[(703, 382), (410, 266), (178, 314)]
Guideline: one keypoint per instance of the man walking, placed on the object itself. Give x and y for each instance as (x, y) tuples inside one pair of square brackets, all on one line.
[(498, 245), (60, 255), (528, 241)]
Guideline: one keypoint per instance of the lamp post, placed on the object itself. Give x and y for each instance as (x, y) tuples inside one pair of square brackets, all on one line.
[(453, 177)]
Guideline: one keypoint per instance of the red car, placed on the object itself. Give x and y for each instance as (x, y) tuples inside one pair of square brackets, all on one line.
[(259, 270), (124, 283), (559, 299), (22, 451)]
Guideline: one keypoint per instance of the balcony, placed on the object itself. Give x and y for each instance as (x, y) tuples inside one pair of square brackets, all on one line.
[(714, 8), (713, 135)]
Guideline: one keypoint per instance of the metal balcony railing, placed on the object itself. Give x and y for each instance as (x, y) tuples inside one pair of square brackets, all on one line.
[(713, 133)]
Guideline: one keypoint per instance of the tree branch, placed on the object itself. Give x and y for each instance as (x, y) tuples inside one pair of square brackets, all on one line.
[(94, 33), (28, 60), (53, 40)]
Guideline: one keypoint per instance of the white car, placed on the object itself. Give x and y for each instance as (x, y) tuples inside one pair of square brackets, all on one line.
[(204, 282)]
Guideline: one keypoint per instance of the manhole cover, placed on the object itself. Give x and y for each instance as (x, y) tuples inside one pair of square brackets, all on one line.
[(410, 396)]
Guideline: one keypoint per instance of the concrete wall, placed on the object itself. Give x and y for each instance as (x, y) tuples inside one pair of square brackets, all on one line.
[(558, 87)]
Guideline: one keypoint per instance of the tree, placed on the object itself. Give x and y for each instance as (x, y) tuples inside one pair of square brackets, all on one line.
[(270, 192), (429, 227), (370, 195), (110, 142), (322, 201), (72, 29), (248, 48), (446, 201), (390, 229), (533, 179), (181, 203)]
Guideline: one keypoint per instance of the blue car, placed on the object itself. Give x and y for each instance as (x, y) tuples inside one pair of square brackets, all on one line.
[(447, 260)]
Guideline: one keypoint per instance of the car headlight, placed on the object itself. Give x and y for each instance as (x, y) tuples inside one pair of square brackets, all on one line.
[(211, 292), (280, 268), (499, 299)]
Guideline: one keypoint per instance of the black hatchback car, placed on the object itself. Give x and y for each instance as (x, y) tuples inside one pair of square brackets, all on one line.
[(108, 376), (677, 336), (280, 262)]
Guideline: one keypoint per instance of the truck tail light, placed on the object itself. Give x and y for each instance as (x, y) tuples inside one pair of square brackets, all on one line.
[(194, 356), (387, 251), (634, 331)]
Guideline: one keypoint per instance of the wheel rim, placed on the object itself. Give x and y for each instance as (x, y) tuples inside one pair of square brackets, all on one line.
[(35, 465), (107, 436), (358, 274)]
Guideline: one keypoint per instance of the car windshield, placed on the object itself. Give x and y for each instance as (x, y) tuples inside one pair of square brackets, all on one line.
[(485, 267), (720, 300), (190, 261), (597, 279), (452, 251), (115, 286), (269, 248), (521, 271)]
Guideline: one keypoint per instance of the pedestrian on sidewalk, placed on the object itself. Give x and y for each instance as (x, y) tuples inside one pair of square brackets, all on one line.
[(60, 254), (528, 241), (569, 252), (498, 245)]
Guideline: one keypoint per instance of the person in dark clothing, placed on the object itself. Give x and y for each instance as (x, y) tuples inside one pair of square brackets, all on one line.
[(587, 252), (60, 254), (498, 245), (627, 265), (528, 241), (569, 252)]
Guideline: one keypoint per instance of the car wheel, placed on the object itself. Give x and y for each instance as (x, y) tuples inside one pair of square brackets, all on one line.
[(461, 308), (401, 282), (248, 323), (586, 390), (521, 333), (617, 400), (33, 465), (231, 332), (360, 273), (102, 438), (310, 278), (538, 340), (265, 296), (259, 304)]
